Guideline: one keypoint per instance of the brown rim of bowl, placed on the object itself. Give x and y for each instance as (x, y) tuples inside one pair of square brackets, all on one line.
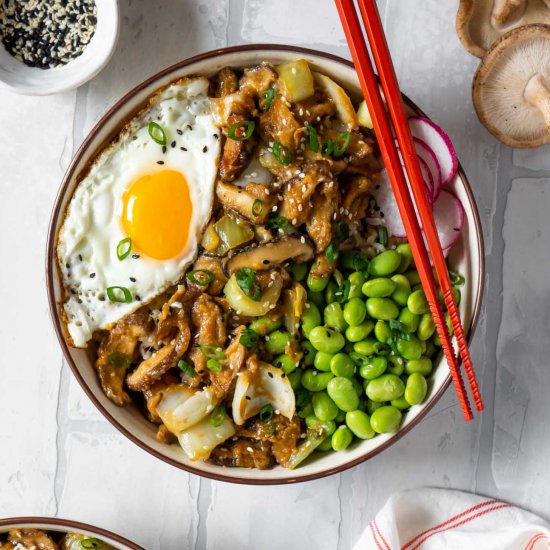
[(56, 320), (56, 523)]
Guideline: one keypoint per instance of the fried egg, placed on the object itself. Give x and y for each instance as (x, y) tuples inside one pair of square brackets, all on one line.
[(135, 220)]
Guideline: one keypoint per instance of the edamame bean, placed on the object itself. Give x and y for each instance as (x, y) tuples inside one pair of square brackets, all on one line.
[(396, 365), (359, 332), (409, 319), (343, 393), (317, 298), (409, 349), (426, 327), (382, 331), (357, 386), (295, 379), (317, 284), (386, 419), (285, 363), (265, 325), (402, 290), (372, 405), (323, 406), (430, 349), (413, 277), (355, 312), (378, 288), (330, 292), (385, 388), (373, 367), (309, 353), (311, 318), (277, 341), (405, 252), (328, 426), (306, 410), (299, 271), (342, 365), (368, 346), (326, 339), (417, 303), (322, 361), (334, 317), (416, 388), (382, 309), (359, 423), (352, 259), (342, 438), (401, 403), (313, 380), (326, 445), (423, 365), (356, 281), (385, 263)]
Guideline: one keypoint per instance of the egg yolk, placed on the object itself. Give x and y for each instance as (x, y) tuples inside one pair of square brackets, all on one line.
[(156, 214)]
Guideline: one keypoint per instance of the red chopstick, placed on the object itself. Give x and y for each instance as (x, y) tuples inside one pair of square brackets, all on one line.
[(382, 58), (382, 126)]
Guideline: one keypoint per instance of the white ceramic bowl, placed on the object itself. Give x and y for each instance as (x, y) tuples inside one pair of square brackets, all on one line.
[(18, 77), (467, 258), (67, 526)]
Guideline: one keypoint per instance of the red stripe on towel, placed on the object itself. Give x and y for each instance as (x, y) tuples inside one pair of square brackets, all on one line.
[(533, 540), (374, 536), (384, 541)]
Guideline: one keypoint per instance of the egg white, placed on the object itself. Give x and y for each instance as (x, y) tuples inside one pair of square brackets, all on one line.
[(88, 239)]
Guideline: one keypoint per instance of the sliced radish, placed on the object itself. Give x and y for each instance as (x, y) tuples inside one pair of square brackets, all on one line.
[(439, 142), (425, 153), (428, 178), (449, 217)]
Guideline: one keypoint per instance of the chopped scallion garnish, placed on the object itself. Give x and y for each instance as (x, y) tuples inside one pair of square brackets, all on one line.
[(266, 413), (282, 154), (210, 351), (157, 133), (269, 95), (313, 139), (114, 294), (360, 262), (91, 543), (278, 222), (213, 365), (246, 279), (257, 207), (185, 367), (332, 253), (341, 231), (217, 416), (201, 277), (123, 248), (456, 278), (119, 360), (341, 144), (249, 338), (383, 235), (243, 135), (327, 148)]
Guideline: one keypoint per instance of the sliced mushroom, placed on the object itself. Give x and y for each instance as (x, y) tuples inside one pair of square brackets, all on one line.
[(257, 80), (224, 83), (268, 386), (344, 106), (254, 202), (480, 23), (267, 255), (511, 88)]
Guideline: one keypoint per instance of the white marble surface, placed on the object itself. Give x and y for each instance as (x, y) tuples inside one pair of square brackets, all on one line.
[(58, 456)]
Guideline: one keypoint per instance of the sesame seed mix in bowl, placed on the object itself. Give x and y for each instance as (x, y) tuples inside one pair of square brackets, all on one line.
[(48, 33)]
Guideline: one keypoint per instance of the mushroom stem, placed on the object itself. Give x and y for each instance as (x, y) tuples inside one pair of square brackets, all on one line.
[(537, 94), (505, 11)]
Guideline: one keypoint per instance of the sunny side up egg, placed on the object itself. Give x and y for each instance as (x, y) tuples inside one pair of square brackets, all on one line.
[(135, 220)]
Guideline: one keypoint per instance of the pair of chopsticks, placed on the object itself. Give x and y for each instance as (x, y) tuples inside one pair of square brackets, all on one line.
[(383, 129)]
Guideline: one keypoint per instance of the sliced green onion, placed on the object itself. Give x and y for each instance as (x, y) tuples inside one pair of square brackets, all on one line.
[(257, 207), (268, 96), (342, 294), (249, 126), (383, 235), (331, 252), (186, 368), (210, 351), (213, 365), (341, 144), (119, 360), (360, 262), (278, 222), (123, 248), (246, 279), (341, 231), (217, 416), (286, 157), (327, 148), (399, 329), (201, 277), (249, 338), (313, 140), (157, 133), (91, 543), (113, 293), (456, 278), (266, 413)]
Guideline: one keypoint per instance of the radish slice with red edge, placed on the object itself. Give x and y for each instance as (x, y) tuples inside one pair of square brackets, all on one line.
[(428, 179), (425, 153), (439, 142), (449, 215)]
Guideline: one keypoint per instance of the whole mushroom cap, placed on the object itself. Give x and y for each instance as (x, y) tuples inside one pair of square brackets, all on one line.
[(480, 23), (511, 88)]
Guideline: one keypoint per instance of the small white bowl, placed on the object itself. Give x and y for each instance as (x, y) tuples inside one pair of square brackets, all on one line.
[(18, 77)]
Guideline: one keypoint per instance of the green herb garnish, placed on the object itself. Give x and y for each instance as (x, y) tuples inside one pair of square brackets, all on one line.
[(157, 133), (246, 279), (248, 125)]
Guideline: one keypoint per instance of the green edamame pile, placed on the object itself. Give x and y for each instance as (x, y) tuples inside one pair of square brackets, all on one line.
[(369, 346)]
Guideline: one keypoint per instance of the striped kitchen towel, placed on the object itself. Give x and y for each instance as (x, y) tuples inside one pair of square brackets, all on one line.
[(435, 519)]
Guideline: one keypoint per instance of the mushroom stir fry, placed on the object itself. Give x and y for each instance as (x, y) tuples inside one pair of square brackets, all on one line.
[(33, 539), (293, 187)]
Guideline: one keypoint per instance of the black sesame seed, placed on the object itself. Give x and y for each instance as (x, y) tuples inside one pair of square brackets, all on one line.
[(68, 266), (164, 149), (215, 136), (382, 214), (283, 375), (133, 279), (160, 162), (173, 144), (92, 275), (270, 374), (183, 148), (189, 127), (265, 262), (247, 397), (179, 132), (204, 149), (80, 257), (138, 299), (135, 256)]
